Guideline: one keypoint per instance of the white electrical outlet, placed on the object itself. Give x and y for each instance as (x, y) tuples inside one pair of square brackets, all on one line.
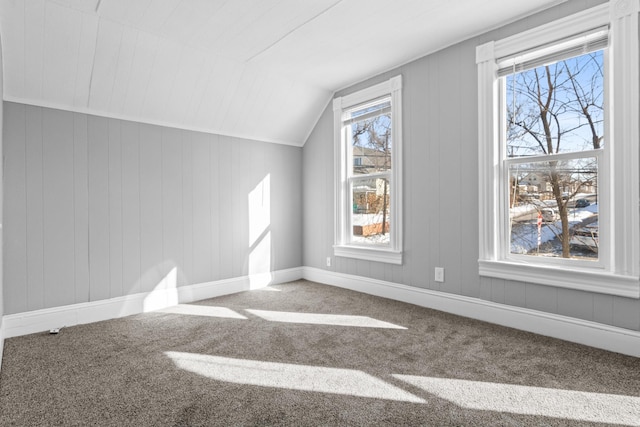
[(328, 261), (439, 276)]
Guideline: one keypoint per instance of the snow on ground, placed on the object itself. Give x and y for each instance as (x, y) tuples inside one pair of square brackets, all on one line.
[(524, 236), (366, 219)]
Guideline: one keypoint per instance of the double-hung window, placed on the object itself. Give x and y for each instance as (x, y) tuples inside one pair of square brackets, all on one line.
[(558, 128), (368, 156)]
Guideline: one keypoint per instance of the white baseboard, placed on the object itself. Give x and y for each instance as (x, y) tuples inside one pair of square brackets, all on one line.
[(95, 311), (593, 334), (1, 341)]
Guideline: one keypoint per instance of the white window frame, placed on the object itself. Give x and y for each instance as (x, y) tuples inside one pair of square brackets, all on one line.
[(343, 164), (618, 269)]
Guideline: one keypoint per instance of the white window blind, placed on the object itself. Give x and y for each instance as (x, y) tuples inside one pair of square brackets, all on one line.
[(581, 44)]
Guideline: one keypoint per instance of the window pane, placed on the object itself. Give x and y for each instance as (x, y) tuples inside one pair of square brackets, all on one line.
[(371, 206), (553, 208), (557, 108), (371, 139)]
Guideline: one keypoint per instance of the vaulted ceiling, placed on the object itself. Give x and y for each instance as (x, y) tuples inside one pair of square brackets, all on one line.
[(260, 69)]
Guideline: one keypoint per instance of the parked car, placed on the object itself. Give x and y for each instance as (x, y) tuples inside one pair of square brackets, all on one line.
[(586, 237), (548, 214), (582, 203)]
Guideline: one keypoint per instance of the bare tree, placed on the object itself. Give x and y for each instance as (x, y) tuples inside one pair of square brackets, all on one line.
[(375, 136), (558, 108)]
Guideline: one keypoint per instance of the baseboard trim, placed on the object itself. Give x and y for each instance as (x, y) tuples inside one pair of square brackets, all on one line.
[(1, 341), (593, 334), (75, 314), (585, 332)]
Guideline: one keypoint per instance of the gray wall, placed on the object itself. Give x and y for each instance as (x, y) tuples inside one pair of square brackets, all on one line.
[(1, 204), (440, 189), (98, 208)]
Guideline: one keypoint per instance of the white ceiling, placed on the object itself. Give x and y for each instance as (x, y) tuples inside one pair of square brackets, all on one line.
[(260, 69)]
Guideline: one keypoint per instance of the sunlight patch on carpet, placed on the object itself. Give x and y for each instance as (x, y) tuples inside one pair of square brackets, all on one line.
[(288, 376), (519, 399), (269, 289), (203, 310), (323, 319)]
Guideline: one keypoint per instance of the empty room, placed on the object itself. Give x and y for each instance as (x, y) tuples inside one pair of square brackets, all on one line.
[(324, 212)]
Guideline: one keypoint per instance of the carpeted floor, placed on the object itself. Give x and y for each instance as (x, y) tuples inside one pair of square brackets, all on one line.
[(307, 354)]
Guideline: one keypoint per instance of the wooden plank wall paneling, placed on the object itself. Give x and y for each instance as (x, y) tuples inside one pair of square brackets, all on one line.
[(15, 215), (131, 217), (34, 210), (98, 208), (58, 208), (98, 182), (1, 210)]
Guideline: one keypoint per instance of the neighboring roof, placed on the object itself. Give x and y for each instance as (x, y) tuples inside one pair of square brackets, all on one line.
[(260, 69)]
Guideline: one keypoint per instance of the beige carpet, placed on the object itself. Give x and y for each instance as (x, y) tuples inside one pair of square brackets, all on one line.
[(307, 354)]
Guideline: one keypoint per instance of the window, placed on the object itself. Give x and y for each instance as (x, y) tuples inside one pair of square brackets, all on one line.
[(558, 137), (553, 122), (368, 161)]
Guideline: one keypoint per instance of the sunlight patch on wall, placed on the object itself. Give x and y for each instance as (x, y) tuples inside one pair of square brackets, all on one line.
[(526, 400), (288, 376), (203, 310), (164, 294), (259, 200), (260, 263), (259, 209), (323, 319)]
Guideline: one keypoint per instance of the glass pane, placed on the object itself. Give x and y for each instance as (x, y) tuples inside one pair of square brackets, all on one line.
[(556, 108), (371, 139), (553, 208), (371, 206)]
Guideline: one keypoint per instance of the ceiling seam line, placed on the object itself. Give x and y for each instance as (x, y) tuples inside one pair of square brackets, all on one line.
[(294, 30), (113, 85), (93, 63)]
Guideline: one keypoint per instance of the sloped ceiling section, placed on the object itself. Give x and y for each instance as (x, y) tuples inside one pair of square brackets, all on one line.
[(259, 69)]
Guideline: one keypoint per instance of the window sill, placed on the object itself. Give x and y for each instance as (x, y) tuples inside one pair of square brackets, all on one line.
[(598, 281), (370, 254)]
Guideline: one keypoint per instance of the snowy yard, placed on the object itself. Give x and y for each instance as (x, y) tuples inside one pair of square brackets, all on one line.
[(524, 236)]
